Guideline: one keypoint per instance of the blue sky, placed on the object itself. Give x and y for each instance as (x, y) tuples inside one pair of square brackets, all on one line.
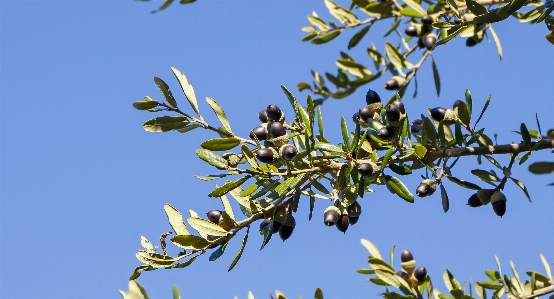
[(81, 181)]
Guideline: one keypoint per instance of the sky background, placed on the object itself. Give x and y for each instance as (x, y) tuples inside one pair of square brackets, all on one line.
[(81, 181)]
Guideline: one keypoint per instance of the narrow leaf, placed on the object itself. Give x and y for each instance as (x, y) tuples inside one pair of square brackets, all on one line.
[(219, 113), (176, 220), (484, 109), (358, 37), (220, 144), (239, 253), (373, 251), (444, 196), (522, 186), (164, 89), (207, 227), (213, 159), (436, 77), (399, 188), (219, 191), (187, 89)]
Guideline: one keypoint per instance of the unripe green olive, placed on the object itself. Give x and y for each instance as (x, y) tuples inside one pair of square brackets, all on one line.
[(273, 112), (214, 215)]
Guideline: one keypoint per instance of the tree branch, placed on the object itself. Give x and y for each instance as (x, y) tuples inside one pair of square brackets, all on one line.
[(539, 292)]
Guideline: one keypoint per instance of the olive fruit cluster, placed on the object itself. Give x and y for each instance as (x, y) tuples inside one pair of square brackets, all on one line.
[(273, 129), (372, 109), (411, 275), (342, 219), (485, 196), (284, 229), (423, 30)]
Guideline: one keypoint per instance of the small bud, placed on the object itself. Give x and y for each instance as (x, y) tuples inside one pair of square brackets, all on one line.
[(406, 256), (262, 115), (411, 30), (288, 227), (420, 274), (214, 216), (342, 223), (428, 20), (366, 169), (498, 201), (276, 129), (426, 188), (331, 215), (267, 155), (474, 201), (273, 113), (260, 133), (386, 133), (287, 152)]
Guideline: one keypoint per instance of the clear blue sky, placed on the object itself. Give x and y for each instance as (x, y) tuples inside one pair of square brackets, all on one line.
[(81, 181)]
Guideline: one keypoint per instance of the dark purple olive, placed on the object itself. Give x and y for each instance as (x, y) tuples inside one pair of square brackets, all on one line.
[(420, 43), (366, 113), (428, 20), (273, 112), (399, 105), (342, 223), (411, 30), (330, 217), (260, 133), (372, 97), (402, 274), (365, 169), (438, 113), (420, 274), (285, 232), (417, 126), (424, 190), (406, 256), (456, 103), (276, 129), (277, 227), (474, 201), (265, 155), (287, 152), (262, 115), (391, 84), (214, 215), (353, 220), (392, 113), (470, 42), (499, 207), (264, 223), (386, 133), (429, 42), (355, 116)]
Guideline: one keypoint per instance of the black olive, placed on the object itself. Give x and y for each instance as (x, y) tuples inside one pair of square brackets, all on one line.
[(499, 207), (366, 113), (411, 30), (428, 20), (330, 217), (262, 115), (353, 220), (288, 152), (265, 155), (391, 84), (386, 133), (342, 223), (372, 97), (420, 274), (260, 133), (470, 42), (438, 113), (429, 42), (406, 256), (277, 130), (424, 190), (456, 103), (273, 112), (285, 232), (214, 215), (365, 169)]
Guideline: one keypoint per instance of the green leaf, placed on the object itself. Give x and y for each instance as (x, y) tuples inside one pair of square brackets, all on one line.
[(444, 196), (292, 100), (145, 105), (219, 191), (305, 119), (206, 227), (314, 20), (212, 158), (345, 134), (400, 169), (453, 282), (249, 156), (373, 251), (484, 109), (267, 232), (176, 220), (541, 167), (379, 264), (188, 128), (525, 134), (343, 177), (366, 271), (496, 41), (396, 58), (394, 26), (318, 294), (436, 77), (420, 150), (522, 186), (475, 8), (176, 294), (164, 88), (325, 37), (458, 133), (463, 113), (429, 128), (220, 144), (307, 38), (463, 183), (165, 123), (189, 241), (386, 158), (239, 253), (448, 38), (410, 12), (358, 37), (353, 68), (415, 5), (399, 188), (219, 113), (187, 89), (469, 101), (485, 175), (323, 146)]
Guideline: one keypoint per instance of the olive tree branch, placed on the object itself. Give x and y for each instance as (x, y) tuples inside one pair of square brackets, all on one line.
[(539, 292)]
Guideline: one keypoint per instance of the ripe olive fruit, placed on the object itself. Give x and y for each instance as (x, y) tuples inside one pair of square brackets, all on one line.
[(366, 113), (386, 133), (429, 42), (470, 42), (262, 115), (372, 97), (420, 274), (214, 215), (406, 256), (273, 112), (365, 169), (260, 133), (287, 152), (438, 113), (342, 223), (428, 20), (391, 84), (276, 129), (411, 30), (474, 201), (265, 155), (285, 232)]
